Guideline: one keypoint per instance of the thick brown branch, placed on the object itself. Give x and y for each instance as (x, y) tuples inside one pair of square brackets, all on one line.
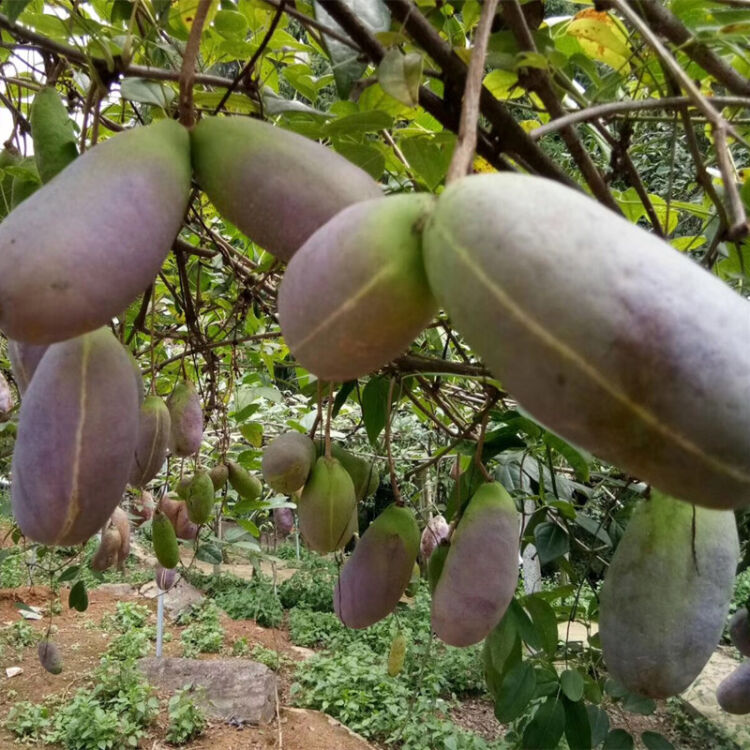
[(189, 61)]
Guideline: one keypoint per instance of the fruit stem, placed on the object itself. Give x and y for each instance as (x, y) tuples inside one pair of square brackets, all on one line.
[(329, 418), (391, 466), (187, 71)]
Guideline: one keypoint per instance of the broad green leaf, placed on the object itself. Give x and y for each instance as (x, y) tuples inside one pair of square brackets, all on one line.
[(249, 527), (342, 395), (546, 727), (593, 527), (230, 23), (364, 156), (550, 541), (147, 92), (503, 84), (209, 553), (429, 157), (571, 683), (375, 407), (69, 573), (545, 621), (577, 460), (656, 741), (637, 704), (577, 727), (599, 723), (360, 122), (14, 8), (253, 433), (188, 9), (516, 692), (78, 598), (400, 75), (618, 739)]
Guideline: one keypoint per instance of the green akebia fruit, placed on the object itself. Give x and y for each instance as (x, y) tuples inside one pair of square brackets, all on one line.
[(287, 462), (200, 498), (375, 577), (153, 437), (276, 186), (356, 295), (413, 586), (8, 158), (666, 593), (181, 488), (52, 132), (85, 245), (733, 693), (364, 474), (602, 331), (219, 475), (186, 420), (106, 553), (25, 183), (24, 359), (739, 631), (77, 431), (164, 539), (396, 655), (243, 482), (49, 656), (326, 506), (480, 572)]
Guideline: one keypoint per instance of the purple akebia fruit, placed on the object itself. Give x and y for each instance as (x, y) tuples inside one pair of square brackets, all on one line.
[(326, 505), (183, 526), (6, 397), (733, 693), (165, 577), (304, 183), (648, 376), (24, 359), (186, 420), (287, 462), (356, 294), (283, 521), (375, 577), (153, 438), (84, 246), (739, 631), (120, 521), (49, 656), (77, 430), (666, 593), (480, 572), (107, 552), (436, 531)]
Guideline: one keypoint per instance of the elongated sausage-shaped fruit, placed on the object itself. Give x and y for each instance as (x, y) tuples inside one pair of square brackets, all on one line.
[(86, 244), (219, 475), (283, 521), (396, 655), (480, 572), (107, 551), (200, 498), (163, 536), (276, 186), (186, 420), (142, 507), (739, 631), (153, 437), (436, 531), (364, 473), (666, 594), (177, 513), (6, 397), (120, 521), (49, 656), (603, 332), (287, 462), (733, 693), (326, 506), (77, 431), (356, 295), (244, 483), (375, 577), (24, 359), (165, 577)]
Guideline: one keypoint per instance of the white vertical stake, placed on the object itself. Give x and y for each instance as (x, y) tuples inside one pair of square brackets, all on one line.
[(159, 621)]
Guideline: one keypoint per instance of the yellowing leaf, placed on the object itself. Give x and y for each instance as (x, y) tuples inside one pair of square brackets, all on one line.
[(400, 75), (503, 84), (188, 9), (601, 38), (481, 165)]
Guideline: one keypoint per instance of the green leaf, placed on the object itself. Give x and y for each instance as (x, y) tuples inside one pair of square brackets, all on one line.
[(360, 122), (637, 704), (516, 692), (618, 739), (375, 407), (656, 741), (231, 24), (53, 134), (147, 92), (571, 683), (545, 621), (209, 553), (551, 541), (365, 157), (599, 723), (69, 573), (576, 459), (429, 157), (253, 433), (593, 527), (577, 727), (15, 8), (504, 644), (343, 394), (546, 728), (78, 598), (400, 75), (249, 527)]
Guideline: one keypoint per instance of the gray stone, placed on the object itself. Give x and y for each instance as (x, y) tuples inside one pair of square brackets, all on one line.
[(236, 690), (116, 589), (179, 598)]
